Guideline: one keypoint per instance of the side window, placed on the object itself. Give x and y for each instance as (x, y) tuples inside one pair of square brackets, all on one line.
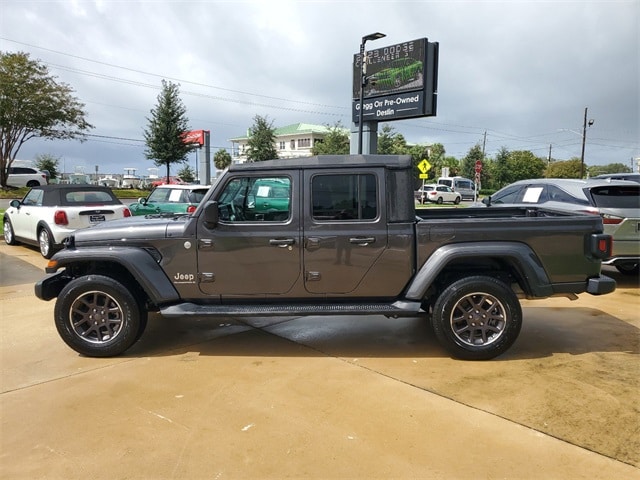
[(34, 197), (344, 197), (558, 195), (508, 195), (256, 199)]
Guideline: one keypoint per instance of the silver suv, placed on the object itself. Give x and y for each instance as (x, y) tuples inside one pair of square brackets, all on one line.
[(616, 201), (26, 177)]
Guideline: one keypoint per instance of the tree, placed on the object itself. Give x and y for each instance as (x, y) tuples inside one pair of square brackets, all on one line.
[(167, 128), (501, 176), (262, 139), (610, 168), (567, 169), (222, 159), (49, 163), (468, 164), (336, 142), (524, 165), (34, 105), (391, 142), (187, 174)]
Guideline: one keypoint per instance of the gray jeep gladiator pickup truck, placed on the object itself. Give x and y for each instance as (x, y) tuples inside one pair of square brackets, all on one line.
[(326, 235)]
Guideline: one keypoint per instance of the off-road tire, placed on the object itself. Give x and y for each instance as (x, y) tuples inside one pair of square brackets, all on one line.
[(98, 316), (477, 318)]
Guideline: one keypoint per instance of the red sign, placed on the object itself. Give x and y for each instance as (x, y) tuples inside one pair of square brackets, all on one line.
[(194, 136), (478, 166)]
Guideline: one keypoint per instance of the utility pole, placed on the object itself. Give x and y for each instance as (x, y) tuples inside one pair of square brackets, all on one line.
[(484, 143), (584, 138), (549, 157)]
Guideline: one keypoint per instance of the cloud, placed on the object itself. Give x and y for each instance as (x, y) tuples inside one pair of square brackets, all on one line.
[(522, 71)]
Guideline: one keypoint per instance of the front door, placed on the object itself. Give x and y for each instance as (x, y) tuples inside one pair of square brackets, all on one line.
[(256, 247)]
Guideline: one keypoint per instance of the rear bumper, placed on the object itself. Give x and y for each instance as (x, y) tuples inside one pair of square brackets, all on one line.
[(617, 260), (600, 285)]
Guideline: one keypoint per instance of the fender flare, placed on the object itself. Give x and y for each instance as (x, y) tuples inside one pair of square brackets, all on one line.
[(139, 262), (520, 255)]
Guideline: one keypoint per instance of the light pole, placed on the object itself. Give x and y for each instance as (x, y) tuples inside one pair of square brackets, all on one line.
[(584, 138), (363, 81)]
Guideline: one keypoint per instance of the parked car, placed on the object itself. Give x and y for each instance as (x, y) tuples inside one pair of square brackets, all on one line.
[(48, 214), (617, 201), (171, 181), (634, 177), (170, 199), (26, 177), (463, 185), (438, 194)]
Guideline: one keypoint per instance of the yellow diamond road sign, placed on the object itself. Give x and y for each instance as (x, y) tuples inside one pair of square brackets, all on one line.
[(424, 166)]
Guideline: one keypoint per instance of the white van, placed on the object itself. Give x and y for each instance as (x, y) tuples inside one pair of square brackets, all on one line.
[(463, 185)]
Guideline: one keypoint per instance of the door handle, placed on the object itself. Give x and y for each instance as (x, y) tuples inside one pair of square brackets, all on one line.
[(282, 243), (363, 241)]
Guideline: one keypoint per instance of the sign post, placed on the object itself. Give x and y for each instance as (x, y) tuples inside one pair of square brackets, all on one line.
[(478, 168)]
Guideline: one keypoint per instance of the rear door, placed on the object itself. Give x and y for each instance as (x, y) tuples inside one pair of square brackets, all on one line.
[(345, 229)]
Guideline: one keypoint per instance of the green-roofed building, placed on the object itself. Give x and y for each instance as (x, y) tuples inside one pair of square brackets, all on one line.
[(292, 141)]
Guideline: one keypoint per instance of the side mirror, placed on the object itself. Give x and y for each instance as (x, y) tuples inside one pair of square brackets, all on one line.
[(142, 200), (15, 203), (487, 201), (211, 215)]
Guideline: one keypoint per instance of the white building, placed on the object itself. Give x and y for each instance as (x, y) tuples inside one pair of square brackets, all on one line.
[(295, 140)]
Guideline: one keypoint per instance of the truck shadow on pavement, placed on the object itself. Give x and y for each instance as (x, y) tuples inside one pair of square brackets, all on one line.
[(545, 332)]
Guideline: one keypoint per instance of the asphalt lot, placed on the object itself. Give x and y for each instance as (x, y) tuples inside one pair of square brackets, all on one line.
[(315, 398)]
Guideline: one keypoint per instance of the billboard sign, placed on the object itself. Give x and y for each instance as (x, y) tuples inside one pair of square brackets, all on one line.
[(400, 81), (194, 136)]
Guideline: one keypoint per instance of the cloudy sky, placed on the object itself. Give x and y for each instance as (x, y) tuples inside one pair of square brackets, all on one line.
[(521, 71)]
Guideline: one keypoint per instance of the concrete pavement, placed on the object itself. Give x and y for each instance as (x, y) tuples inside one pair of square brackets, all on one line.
[(339, 397)]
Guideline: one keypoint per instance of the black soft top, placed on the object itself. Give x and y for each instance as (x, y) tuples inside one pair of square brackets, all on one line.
[(76, 194), (393, 162)]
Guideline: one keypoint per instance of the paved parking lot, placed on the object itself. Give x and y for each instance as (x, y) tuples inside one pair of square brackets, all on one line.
[(341, 397)]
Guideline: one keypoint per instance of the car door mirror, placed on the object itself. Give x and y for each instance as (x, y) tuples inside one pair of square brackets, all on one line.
[(15, 203), (211, 214), (487, 201)]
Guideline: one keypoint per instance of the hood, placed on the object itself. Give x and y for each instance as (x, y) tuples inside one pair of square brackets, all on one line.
[(133, 228)]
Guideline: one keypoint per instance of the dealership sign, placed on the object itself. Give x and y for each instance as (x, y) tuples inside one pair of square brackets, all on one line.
[(400, 81), (195, 136)]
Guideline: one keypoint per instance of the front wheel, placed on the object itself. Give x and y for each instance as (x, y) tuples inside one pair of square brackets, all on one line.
[(477, 318), (97, 316), (9, 235)]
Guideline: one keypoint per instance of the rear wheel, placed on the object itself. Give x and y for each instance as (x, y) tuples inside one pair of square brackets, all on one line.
[(33, 183), (624, 268), (9, 235), (439, 201), (45, 242), (457, 200), (477, 318), (98, 316)]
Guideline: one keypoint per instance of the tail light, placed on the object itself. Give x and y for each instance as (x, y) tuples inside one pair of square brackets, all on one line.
[(611, 219), (126, 212), (60, 218), (600, 245), (191, 208)]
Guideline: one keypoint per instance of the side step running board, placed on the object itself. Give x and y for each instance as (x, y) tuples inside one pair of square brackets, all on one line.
[(396, 309)]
